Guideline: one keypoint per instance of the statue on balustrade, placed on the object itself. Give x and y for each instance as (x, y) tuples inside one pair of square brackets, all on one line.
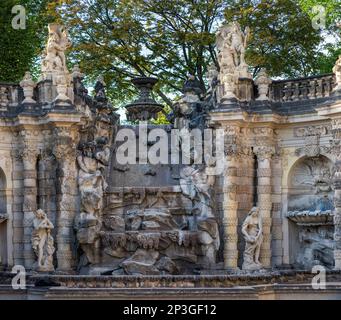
[(231, 45), (57, 44)]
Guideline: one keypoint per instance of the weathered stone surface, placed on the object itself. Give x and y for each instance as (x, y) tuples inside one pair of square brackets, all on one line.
[(141, 262), (167, 265), (281, 153)]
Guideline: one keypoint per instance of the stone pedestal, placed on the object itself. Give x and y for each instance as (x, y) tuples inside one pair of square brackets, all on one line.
[(46, 92), (245, 89)]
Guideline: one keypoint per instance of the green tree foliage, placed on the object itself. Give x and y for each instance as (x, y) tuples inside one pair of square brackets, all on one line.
[(19, 48), (126, 38), (122, 39), (330, 15), (169, 39), (332, 10)]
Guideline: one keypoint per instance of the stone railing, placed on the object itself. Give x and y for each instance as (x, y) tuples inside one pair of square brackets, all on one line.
[(302, 88), (10, 95)]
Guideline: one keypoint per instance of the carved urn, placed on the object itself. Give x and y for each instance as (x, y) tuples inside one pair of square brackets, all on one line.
[(145, 107)]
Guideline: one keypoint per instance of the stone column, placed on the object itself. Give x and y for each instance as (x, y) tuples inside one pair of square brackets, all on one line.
[(230, 219), (277, 222), (264, 194), (17, 209), (336, 150), (67, 201), (29, 156), (230, 202)]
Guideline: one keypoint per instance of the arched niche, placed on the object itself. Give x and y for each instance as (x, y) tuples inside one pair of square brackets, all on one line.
[(310, 207), (3, 220)]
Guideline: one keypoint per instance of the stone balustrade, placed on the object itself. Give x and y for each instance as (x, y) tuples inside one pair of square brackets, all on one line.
[(302, 88), (10, 96)]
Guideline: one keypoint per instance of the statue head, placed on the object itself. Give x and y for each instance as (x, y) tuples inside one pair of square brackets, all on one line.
[(254, 212), (40, 214), (27, 76)]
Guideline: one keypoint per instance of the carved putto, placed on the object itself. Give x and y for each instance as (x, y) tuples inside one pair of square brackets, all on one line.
[(253, 235), (43, 242)]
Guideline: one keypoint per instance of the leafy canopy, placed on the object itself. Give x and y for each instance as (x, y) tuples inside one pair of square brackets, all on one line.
[(19, 48)]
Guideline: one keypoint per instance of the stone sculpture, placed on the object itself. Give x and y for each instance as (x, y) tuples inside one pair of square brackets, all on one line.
[(91, 181), (337, 71), (231, 45), (192, 89), (43, 242), (28, 86), (252, 232), (93, 160), (316, 246), (100, 95), (263, 82), (196, 184), (54, 63), (58, 43)]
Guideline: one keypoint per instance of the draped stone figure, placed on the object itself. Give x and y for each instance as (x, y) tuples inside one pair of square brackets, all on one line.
[(43, 242), (91, 181), (195, 185), (231, 45), (253, 235)]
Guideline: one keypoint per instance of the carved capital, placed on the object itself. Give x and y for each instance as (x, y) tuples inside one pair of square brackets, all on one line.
[(264, 152), (232, 131), (265, 131), (28, 154), (65, 152)]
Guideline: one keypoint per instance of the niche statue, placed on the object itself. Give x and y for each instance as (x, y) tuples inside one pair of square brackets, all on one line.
[(252, 232), (42, 242)]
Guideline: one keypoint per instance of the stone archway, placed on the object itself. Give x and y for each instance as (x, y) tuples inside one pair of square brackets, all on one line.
[(310, 207), (3, 220)]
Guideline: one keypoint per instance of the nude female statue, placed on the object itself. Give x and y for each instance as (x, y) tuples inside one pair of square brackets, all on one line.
[(252, 232), (42, 241)]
